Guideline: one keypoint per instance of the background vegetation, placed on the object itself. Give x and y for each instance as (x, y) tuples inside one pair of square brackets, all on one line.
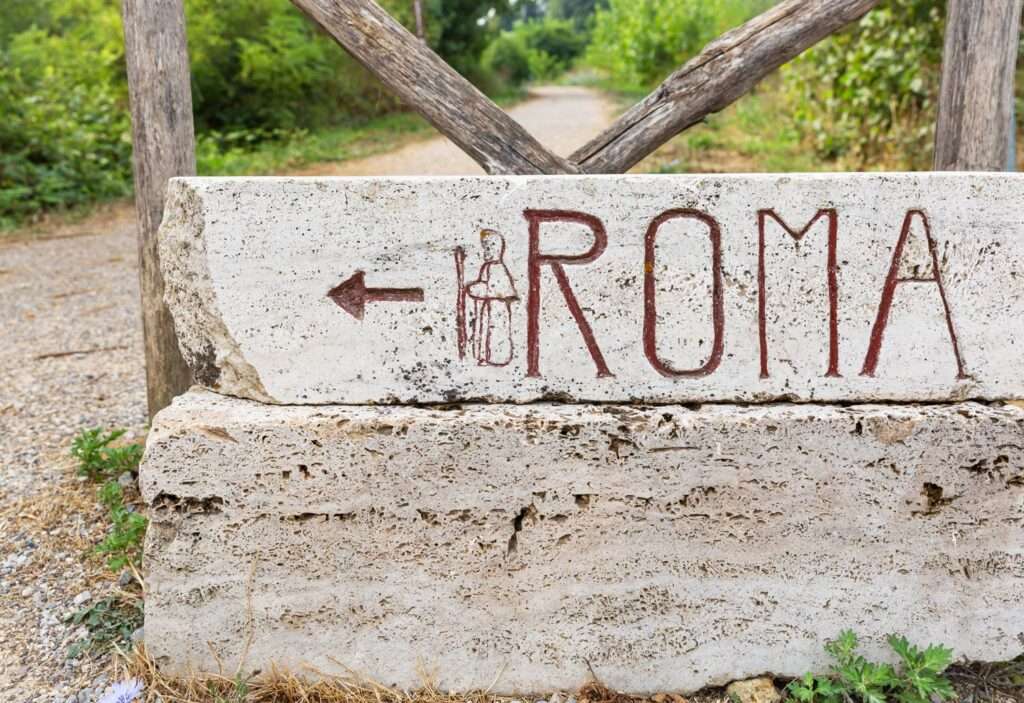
[(272, 91)]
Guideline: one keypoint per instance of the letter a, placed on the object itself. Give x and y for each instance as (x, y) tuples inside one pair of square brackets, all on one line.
[(893, 280)]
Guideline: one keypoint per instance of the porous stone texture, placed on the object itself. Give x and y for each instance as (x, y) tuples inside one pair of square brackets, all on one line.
[(846, 287), (666, 548)]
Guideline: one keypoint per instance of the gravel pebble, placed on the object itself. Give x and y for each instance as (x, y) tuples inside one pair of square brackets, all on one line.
[(76, 293)]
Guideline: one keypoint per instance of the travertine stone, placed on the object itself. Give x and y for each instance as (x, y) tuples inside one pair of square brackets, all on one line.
[(385, 290), (669, 547)]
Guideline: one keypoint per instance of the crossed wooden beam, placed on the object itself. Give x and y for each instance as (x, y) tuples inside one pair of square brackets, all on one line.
[(723, 72), (974, 125)]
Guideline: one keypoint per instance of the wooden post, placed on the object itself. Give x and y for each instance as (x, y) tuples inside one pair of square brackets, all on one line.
[(164, 146), (976, 96), (417, 8)]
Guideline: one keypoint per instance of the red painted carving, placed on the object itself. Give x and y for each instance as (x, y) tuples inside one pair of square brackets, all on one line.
[(892, 280), (832, 276), (557, 262), (717, 295), (352, 295), (489, 330)]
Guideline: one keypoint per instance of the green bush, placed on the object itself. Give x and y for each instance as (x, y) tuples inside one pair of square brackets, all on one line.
[(539, 49), (557, 39), (639, 42), (871, 91), (64, 136), (258, 67), (508, 58), (123, 543), (98, 460), (853, 679)]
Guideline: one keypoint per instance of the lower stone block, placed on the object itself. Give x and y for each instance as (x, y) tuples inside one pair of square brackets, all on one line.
[(666, 548)]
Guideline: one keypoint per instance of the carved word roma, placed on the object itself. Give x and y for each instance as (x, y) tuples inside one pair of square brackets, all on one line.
[(537, 259)]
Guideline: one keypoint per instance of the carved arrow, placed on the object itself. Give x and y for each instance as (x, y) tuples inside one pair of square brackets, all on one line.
[(352, 295)]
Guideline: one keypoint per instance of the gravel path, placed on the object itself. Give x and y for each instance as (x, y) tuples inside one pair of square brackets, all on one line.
[(71, 358), (561, 117)]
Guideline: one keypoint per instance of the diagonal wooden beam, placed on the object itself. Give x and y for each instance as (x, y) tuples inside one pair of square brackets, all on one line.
[(430, 86), (723, 72)]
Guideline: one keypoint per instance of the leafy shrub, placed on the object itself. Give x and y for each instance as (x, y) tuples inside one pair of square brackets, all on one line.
[(123, 544), (639, 42), (918, 679), (557, 39), (257, 66), (534, 50), (64, 136), (97, 460), (508, 58), (871, 91)]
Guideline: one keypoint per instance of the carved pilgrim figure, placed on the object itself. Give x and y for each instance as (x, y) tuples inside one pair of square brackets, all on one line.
[(489, 333)]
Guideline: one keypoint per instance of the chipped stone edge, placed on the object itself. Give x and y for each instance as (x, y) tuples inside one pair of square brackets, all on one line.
[(214, 356)]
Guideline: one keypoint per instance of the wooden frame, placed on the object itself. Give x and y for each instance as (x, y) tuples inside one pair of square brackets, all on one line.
[(980, 53)]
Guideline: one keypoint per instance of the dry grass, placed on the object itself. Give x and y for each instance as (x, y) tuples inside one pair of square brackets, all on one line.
[(315, 686)]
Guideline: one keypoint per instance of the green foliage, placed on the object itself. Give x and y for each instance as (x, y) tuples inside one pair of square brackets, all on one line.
[(460, 30), (110, 622), (581, 12), (639, 42), (98, 460), (123, 544), (540, 49), (917, 679), (871, 91), (64, 135), (260, 69), (508, 58)]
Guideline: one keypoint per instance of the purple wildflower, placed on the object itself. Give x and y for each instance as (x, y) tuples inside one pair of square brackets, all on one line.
[(123, 692)]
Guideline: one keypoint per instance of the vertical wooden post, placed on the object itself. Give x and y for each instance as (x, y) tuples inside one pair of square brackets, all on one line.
[(164, 146), (417, 8), (976, 96)]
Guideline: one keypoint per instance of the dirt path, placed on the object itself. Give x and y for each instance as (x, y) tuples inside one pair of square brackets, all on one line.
[(71, 358), (561, 117)]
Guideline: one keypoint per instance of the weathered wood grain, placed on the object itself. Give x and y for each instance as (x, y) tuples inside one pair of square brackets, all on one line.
[(723, 72), (422, 79), (976, 98), (164, 146)]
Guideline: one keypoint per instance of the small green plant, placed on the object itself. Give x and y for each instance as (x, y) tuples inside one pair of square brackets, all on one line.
[(110, 622), (918, 678), (98, 460), (123, 544)]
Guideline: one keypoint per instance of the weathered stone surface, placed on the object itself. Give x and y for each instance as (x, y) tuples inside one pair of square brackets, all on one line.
[(669, 547), (348, 290)]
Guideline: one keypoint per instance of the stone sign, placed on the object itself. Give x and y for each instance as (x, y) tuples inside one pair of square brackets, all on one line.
[(603, 288), (324, 516)]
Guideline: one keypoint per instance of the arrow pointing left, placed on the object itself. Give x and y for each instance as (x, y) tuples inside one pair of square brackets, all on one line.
[(352, 295)]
